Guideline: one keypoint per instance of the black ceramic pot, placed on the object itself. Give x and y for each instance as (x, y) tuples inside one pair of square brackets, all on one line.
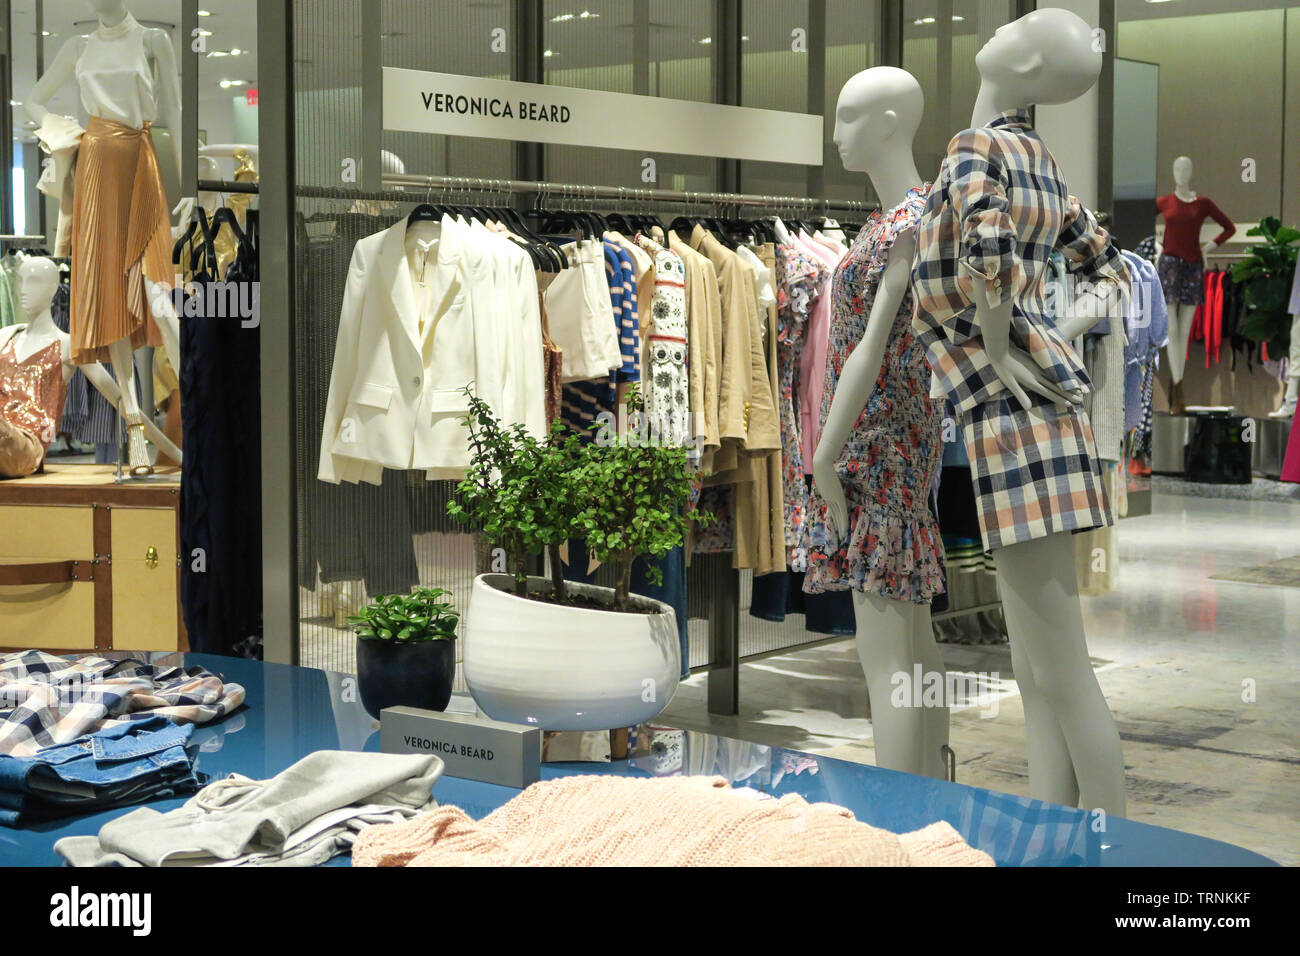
[(405, 675)]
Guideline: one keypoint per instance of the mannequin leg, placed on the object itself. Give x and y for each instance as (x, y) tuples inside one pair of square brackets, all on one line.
[(1051, 774), (1040, 597), (886, 647), (129, 408), (934, 720), (164, 315)]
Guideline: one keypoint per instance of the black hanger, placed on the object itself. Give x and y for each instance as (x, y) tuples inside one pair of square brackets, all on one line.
[(425, 212)]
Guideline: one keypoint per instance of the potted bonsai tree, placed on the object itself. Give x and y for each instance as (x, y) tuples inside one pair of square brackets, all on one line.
[(557, 654), (406, 650)]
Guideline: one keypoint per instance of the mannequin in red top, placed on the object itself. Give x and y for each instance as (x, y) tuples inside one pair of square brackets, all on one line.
[(1182, 265)]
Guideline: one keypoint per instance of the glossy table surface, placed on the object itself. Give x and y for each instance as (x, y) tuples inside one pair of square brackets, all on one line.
[(292, 711)]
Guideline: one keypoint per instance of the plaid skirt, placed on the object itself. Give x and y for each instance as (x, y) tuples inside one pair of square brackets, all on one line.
[(1182, 281), (1036, 472)]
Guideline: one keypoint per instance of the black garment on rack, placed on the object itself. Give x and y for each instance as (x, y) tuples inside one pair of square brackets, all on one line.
[(348, 532), (221, 493)]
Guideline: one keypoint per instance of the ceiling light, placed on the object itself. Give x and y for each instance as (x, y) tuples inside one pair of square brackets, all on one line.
[(1157, 1), (227, 84), (205, 33), (705, 40), (549, 53), (588, 15), (958, 19), (205, 13), (236, 52), (922, 21), (561, 18), (218, 53), (47, 33)]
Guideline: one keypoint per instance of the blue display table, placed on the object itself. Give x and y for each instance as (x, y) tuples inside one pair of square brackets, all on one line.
[(292, 711)]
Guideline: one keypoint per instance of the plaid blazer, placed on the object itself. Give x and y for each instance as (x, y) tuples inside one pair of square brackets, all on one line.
[(998, 210)]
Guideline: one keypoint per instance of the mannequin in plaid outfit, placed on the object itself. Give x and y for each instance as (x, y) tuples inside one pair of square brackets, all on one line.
[(998, 209)]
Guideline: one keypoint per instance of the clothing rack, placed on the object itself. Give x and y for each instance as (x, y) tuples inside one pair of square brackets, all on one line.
[(406, 187), (218, 186), (21, 240)]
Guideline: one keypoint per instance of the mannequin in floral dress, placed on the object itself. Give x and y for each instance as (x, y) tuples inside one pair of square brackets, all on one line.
[(870, 529)]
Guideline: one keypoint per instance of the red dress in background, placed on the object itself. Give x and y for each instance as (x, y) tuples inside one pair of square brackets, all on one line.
[(1291, 464)]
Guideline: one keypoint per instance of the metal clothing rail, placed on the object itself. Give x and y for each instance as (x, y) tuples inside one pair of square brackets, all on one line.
[(407, 188)]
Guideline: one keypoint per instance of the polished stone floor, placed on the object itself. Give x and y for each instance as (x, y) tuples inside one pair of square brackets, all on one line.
[(1203, 677)]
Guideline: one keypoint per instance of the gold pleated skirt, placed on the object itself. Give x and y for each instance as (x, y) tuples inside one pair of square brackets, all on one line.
[(121, 237)]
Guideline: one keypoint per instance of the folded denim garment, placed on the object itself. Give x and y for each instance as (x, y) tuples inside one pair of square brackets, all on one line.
[(114, 767), (303, 816)]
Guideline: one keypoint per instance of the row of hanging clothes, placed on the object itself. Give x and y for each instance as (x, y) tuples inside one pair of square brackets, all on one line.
[(712, 313), (215, 398)]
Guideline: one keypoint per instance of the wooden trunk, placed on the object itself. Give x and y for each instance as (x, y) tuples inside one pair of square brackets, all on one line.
[(90, 565)]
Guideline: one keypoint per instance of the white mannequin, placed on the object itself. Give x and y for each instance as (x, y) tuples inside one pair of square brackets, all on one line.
[(38, 280), (876, 120), (111, 13), (1180, 318), (1075, 757)]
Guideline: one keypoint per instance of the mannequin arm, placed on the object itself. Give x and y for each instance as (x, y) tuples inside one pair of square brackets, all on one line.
[(858, 379), (1014, 369), (60, 71), (98, 376), (169, 92)]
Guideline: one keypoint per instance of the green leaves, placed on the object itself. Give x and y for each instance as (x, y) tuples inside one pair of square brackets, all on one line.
[(1266, 278), (407, 619), (625, 498)]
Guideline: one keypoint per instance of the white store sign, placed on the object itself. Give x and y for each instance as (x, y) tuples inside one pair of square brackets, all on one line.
[(421, 102)]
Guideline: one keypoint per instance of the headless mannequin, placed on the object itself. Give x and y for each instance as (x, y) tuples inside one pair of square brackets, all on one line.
[(1180, 318), (162, 56), (38, 280), (1075, 756), (876, 120)]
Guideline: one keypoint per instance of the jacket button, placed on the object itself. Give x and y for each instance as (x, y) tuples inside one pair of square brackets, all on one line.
[(416, 380)]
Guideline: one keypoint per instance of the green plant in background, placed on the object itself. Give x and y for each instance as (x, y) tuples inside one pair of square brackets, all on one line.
[(634, 494), (518, 491), (1267, 276), (422, 615)]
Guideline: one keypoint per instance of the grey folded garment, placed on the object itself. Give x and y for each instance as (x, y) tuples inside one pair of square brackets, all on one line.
[(301, 817)]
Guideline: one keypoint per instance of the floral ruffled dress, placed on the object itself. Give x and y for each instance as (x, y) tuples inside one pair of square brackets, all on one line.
[(889, 464), (800, 280)]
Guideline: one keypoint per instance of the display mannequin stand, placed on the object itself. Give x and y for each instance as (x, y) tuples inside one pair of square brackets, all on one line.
[(1075, 757), (878, 114), (38, 282), (1181, 312), (112, 14)]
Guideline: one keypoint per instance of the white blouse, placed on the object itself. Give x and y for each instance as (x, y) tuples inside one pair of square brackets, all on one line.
[(115, 77)]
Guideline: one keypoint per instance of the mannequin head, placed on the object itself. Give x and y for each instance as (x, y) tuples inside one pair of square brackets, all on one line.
[(1182, 172), (1044, 57), (106, 7), (878, 110), (38, 280)]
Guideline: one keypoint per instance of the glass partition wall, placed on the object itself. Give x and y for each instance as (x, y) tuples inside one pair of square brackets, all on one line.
[(356, 541)]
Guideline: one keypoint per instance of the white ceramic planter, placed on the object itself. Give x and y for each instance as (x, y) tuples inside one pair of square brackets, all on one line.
[(565, 668)]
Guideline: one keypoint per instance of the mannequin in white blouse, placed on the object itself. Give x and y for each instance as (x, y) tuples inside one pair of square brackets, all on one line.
[(119, 97), (876, 119)]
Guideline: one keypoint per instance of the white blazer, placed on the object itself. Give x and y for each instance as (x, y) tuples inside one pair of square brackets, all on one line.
[(395, 398)]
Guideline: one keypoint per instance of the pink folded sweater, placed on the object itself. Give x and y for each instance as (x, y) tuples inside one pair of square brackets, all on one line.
[(675, 821)]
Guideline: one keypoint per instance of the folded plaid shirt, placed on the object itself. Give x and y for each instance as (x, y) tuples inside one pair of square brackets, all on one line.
[(46, 700), (997, 211)]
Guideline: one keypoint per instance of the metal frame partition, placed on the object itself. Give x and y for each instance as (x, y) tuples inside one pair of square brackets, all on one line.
[(280, 194)]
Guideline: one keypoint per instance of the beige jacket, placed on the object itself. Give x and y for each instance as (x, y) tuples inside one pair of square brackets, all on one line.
[(746, 405), (704, 337)]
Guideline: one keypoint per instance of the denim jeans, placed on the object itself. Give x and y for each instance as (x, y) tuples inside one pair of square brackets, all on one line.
[(118, 766)]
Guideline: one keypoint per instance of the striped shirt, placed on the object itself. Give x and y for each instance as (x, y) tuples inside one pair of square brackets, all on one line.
[(997, 211)]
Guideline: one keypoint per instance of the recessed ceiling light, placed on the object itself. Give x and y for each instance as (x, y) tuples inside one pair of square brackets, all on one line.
[(705, 40), (227, 84), (562, 17), (549, 53), (205, 13), (205, 33), (588, 15), (957, 19)]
